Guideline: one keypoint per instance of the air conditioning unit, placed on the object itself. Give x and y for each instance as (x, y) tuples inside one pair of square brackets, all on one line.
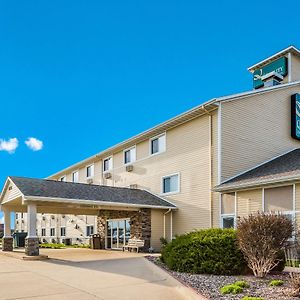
[(107, 175), (89, 181), (129, 168), (133, 186)]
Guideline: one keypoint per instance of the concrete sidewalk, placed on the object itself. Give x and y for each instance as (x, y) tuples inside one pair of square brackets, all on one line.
[(87, 274)]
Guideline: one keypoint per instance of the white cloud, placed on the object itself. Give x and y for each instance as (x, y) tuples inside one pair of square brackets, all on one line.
[(10, 146), (34, 144)]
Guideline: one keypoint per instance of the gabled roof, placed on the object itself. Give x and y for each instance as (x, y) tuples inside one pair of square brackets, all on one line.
[(290, 49), (50, 190), (284, 168)]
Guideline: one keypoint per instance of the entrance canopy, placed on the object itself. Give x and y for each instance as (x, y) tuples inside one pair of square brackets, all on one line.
[(52, 196)]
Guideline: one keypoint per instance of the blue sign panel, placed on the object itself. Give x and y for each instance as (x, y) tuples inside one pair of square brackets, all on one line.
[(279, 66), (295, 114)]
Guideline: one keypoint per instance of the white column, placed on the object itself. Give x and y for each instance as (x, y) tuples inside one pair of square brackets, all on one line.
[(7, 230), (31, 220)]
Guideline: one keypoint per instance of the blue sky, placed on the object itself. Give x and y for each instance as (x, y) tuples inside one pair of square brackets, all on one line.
[(83, 75)]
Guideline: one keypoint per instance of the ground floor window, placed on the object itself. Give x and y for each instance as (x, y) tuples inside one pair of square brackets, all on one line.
[(43, 231), (117, 233), (228, 210), (63, 231), (89, 230), (52, 231)]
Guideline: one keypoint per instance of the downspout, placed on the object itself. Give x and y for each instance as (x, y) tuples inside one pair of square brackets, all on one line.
[(168, 211), (210, 166)]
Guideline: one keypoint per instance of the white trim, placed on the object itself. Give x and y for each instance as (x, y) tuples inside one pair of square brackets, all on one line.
[(76, 171), (263, 199), (274, 56), (129, 149), (219, 143), (94, 202), (112, 164), (233, 215), (289, 67), (178, 185)]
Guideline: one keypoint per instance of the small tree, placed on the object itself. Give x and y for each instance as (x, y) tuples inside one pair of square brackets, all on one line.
[(261, 238)]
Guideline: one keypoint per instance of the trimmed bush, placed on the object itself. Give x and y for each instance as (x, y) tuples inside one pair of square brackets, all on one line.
[(275, 283), (242, 284), (231, 289), (252, 298), (211, 251)]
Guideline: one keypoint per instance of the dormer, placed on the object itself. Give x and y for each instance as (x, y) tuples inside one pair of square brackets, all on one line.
[(282, 67)]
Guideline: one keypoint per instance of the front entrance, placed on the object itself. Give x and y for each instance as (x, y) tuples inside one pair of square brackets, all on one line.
[(117, 233)]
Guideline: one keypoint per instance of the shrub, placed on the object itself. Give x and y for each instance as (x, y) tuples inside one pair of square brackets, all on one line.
[(212, 251), (242, 284), (275, 283), (261, 238), (163, 241), (252, 298), (231, 289)]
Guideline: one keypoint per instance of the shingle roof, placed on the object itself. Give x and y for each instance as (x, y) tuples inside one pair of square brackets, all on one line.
[(80, 191), (281, 168)]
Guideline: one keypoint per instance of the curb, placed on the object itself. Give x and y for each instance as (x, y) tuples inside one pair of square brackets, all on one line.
[(187, 291)]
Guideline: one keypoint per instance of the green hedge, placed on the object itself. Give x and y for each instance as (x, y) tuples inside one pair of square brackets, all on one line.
[(211, 251)]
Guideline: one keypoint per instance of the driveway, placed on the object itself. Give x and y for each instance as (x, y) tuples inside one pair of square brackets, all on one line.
[(87, 274)]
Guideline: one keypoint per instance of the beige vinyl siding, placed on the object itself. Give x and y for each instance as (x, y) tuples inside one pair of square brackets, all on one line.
[(249, 202), (157, 228), (297, 197), (295, 76), (244, 143), (12, 192)]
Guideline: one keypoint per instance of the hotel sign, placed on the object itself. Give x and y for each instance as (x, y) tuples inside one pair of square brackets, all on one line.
[(295, 115), (279, 66)]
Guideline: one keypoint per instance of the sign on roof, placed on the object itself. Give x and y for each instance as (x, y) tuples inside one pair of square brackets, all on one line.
[(295, 116), (279, 66)]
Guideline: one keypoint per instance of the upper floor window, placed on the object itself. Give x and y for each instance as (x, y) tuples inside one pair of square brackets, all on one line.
[(75, 176), (158, 144), (170, 184), (228, 210), (63, 178), (130, 155), (107, 164), (43, 231), (90, 171)]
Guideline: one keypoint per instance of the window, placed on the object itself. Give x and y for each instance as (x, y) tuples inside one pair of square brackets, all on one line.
[(17, 215), (130, 155), (63, 231), (75, 176), (279, 199), (90, 171), (170, 184), (107, 164), (52, 231), (228, 210), (158, 144), (89, 230), (43, 231), (63, 178)]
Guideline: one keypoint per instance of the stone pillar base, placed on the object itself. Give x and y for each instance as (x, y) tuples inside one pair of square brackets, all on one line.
[(32, 246), (7, 244)]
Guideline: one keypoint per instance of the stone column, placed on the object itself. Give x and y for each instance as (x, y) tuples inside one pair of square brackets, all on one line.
[(31, 241), (7, 241)]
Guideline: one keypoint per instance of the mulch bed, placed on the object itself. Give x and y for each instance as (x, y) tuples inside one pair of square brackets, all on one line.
[(210, 285)]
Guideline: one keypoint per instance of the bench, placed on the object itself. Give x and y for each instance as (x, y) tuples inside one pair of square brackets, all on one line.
[(134, 244)]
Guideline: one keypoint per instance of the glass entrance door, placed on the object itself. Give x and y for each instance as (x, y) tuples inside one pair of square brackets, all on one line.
[(117, 233)]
